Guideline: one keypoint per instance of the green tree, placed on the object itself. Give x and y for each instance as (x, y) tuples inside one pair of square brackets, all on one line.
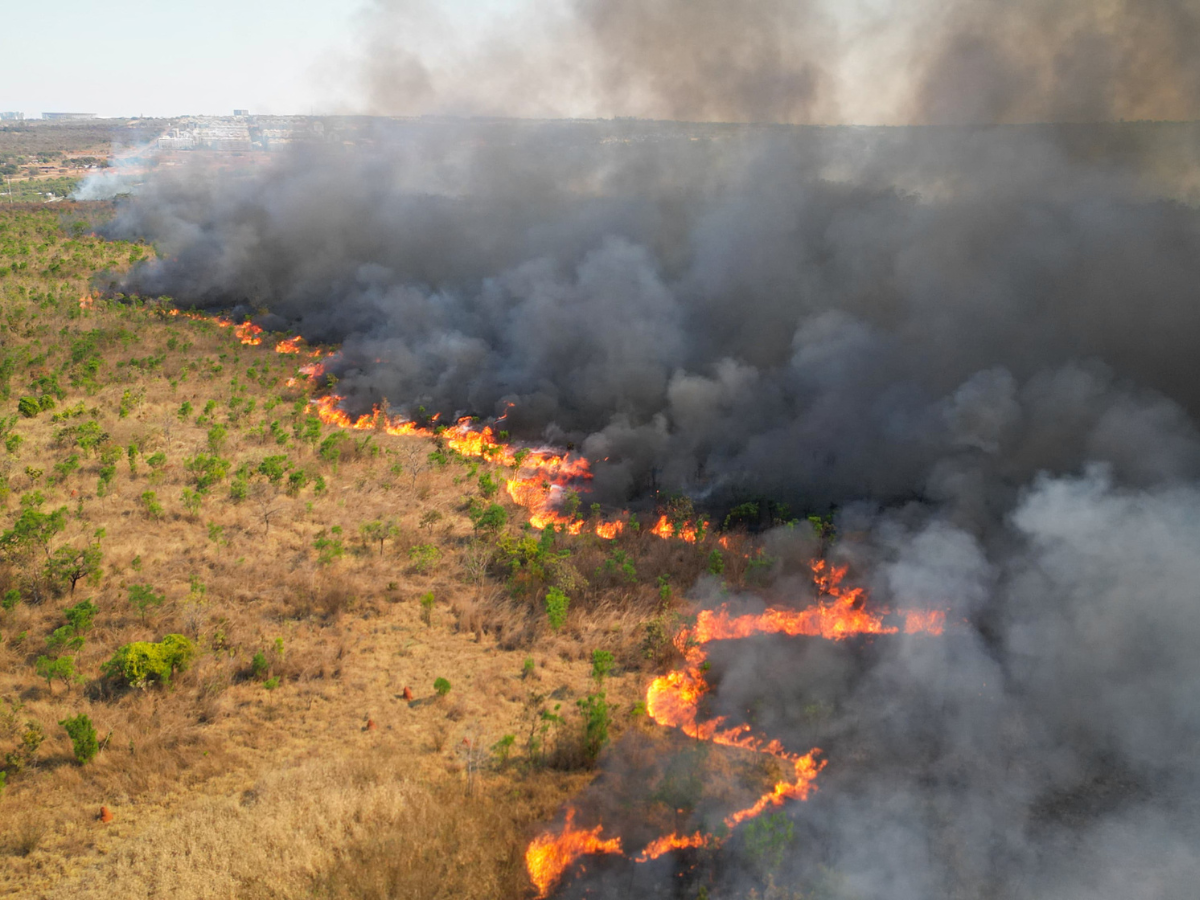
[(33, 529), (61, 667), (143, 597), (378, 531), (81, 615), (70, 565), (83, 737), (142, 662), (329, 546), (151, 506), (557, 604), (274, 467), (441, 686), (490, 519)]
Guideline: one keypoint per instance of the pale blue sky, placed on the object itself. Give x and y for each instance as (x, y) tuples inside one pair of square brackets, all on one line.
[(172, 57)]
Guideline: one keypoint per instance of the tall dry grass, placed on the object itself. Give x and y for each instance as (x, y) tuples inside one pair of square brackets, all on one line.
[(348, 829)]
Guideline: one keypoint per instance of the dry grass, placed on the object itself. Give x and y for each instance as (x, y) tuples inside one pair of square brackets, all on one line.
[(219, 786)]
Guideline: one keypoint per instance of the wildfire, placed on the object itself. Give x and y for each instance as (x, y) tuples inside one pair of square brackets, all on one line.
[(542, 477), (687, 531), (673, 700), (671, 842), (550, 854)]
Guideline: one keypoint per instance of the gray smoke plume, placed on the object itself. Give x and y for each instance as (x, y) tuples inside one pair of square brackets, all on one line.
[(794, 61), (975, 342)]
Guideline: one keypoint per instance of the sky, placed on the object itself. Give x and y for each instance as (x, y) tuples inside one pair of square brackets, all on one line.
[(131, 57)]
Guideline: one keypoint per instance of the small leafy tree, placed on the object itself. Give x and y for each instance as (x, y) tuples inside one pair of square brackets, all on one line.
[(217, 436), (192, 500), (143, 597), (378, 531), (151, 506), (83, 737), (427, 608), (33, 529), (62, 668), (64, 638), (74, 564), (81, 615), (274, 467), (329, 546), (503, 747), (557, 604), (441, 686), (488, 486), (207, 469), (491, 519), (423, 556), (716, 563)]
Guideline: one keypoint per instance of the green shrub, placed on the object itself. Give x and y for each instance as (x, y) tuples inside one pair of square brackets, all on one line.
[(192, 500), (29, 407), (427, 608), (491, 518), (274, 467), (207, 469), (423, 556), (142, 596), (142, 662), (503, 747), (81, 615), (716, 563), (557, 604), (597, 716), (488, 486), (62, 668), (441, 686), (259, 665), (10, 599), (83, 737), (151, 505), (64, 638), (329, 547)]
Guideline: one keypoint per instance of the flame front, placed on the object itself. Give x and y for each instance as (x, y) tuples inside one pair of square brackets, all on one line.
[(673, 700), (542, 476), (550, 854)]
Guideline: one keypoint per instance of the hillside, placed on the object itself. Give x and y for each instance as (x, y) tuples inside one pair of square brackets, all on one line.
[(162, 478)]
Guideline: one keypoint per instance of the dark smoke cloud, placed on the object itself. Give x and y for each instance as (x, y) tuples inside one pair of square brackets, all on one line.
[(977, 344)]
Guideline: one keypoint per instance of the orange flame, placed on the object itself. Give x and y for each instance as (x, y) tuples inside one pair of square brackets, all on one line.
[(549, 855), (670, 842), (688, 531), (290, 345), (673, 700)]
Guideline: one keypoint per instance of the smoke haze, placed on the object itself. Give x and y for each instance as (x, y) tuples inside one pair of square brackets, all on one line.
[(975, 340)]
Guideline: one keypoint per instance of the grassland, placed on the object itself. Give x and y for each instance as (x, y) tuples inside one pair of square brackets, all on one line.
[(325, 579)]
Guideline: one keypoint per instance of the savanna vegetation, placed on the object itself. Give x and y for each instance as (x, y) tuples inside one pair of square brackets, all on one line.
[(287, 660)]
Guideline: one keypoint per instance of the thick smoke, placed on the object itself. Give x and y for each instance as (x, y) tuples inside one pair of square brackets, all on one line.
[(795, 61), (975, 343)]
